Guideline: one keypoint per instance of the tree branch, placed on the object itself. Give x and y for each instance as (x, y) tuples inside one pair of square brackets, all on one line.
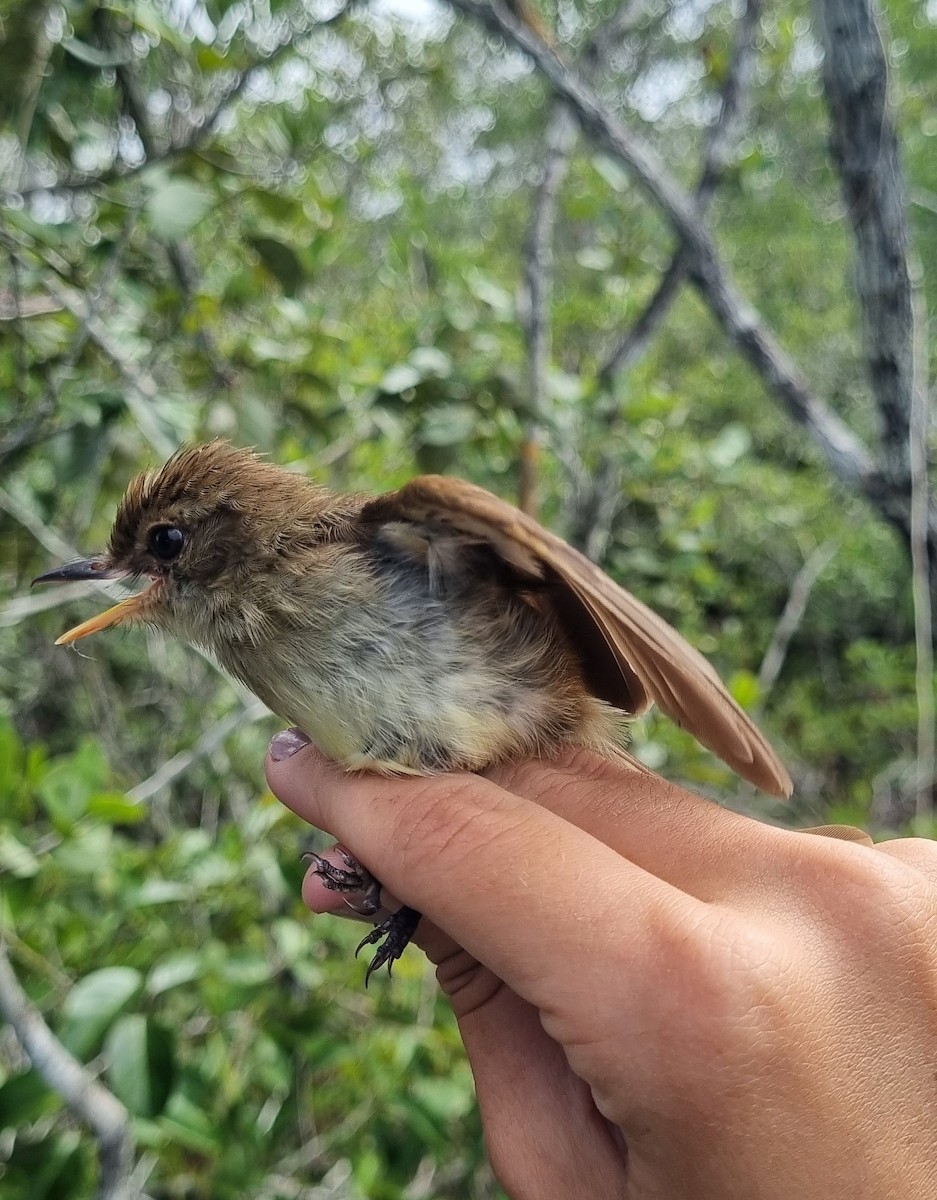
[(864, 148), (843, 450), (559, 140), (142, 389), (720, 146), (249, 712), (792, 615), (538, 275), (87, 1099), (922, 566)]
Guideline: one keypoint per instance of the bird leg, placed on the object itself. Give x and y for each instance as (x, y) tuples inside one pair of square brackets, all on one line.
[(396, 930)]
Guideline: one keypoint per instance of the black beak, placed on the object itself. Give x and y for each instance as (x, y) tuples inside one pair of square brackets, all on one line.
[(80, 569)]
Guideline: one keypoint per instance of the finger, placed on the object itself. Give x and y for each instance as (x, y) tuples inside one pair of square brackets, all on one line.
[(706, 850), (480, 862), (920, 853), (544, 1135)]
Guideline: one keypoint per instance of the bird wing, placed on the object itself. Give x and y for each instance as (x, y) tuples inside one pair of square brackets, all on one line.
[(630, 656)]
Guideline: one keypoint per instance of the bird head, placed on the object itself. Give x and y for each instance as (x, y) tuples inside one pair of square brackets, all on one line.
[(210, 530)]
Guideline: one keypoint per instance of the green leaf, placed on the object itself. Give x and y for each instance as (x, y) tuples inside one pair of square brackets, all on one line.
[(448, 425), (175, 970), (429, 360), (116, 808), (281, 261), (175, 206), (68, 783), (16, 858), (140, 1064), (732, 443), (159, 891), (189, 1125), (24, 1098), (399, 378), (94, 56), (446, 1099), (93, 1004), (11, 760), (744, 687), (611, 171), (86, 851), (485, 289), (594, 258)]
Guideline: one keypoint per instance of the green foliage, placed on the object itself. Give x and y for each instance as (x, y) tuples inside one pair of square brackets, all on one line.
[(187, 970), (332, 271)]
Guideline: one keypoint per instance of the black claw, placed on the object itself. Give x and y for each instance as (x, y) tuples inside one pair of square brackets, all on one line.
[(352, 878), (396, 931)]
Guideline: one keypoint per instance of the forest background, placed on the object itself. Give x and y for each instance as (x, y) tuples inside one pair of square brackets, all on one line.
[(659, 270)]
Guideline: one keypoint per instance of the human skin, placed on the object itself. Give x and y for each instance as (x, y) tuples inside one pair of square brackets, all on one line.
[(660, 999)]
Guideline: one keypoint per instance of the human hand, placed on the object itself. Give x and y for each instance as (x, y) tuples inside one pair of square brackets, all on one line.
[(660, 998)]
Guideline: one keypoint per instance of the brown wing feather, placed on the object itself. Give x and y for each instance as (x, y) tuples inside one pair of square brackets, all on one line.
[(631, 656)]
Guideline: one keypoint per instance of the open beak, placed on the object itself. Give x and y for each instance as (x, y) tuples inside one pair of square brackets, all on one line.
[(94, 569)]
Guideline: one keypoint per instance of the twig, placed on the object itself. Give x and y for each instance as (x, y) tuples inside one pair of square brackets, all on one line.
[(47, 537), (599, 503), (203, 127), (87, 1099), (211, 739), (538, 271), (918, 431), (720, 145), (20, 608), (792, 615), (142, 389)]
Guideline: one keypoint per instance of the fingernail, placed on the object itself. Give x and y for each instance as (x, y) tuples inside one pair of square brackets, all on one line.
[(286, 743)]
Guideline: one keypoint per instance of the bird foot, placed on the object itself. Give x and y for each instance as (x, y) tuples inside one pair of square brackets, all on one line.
[(353, 877), (396, 931), (393, 934)]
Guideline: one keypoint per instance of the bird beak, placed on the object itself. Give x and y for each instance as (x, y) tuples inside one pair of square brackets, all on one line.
[(94, 569)]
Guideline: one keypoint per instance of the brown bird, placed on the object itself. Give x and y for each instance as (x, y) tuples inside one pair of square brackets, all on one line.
[(436, 628)]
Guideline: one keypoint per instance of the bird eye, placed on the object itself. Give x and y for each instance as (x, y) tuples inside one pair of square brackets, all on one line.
[(166, 542)]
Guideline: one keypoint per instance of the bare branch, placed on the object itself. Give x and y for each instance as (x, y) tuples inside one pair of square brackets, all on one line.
[(559, 141), (142, 389), (918, 435), (720, 146), (538, 271), (844, 451), (210, 740), (20, 608), (793, 614), (89, 1101), (864, 148)]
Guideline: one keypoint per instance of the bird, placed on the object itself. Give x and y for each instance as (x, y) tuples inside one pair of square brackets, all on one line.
[(431, 629)]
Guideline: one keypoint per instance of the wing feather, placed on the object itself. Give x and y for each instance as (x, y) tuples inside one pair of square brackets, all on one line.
[(631, 656)]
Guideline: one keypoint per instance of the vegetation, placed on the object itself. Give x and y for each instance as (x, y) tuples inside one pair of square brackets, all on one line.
[(312, 229)]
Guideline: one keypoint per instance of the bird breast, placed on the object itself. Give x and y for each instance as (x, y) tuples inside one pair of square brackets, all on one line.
[(387, 670)]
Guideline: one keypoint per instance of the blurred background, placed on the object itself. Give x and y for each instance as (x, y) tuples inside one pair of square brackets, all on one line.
[(369, 240)]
